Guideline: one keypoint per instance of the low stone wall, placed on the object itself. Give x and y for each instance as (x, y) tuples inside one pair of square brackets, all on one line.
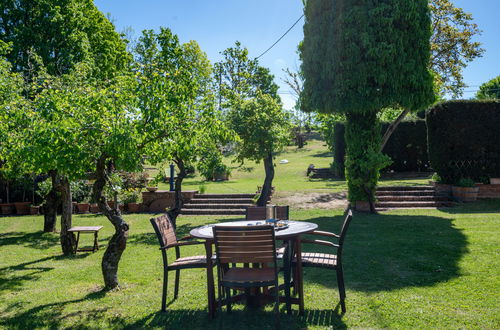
[(488, 190), (161, 200)]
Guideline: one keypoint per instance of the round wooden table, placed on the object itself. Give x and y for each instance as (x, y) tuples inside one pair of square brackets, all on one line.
[(291, 234)]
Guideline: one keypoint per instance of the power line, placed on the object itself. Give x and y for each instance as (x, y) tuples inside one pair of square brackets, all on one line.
[(280, 37)]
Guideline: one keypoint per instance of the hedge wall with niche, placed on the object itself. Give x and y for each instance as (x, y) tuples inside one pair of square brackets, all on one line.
[(464, 139), (407, 147)]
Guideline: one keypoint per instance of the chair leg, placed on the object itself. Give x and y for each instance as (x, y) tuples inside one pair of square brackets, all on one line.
[(164, 292), (340, 282), (228, 299), (177, 276), (277, 306)]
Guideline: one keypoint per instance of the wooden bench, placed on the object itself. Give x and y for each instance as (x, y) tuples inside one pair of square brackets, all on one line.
[(86, 229)]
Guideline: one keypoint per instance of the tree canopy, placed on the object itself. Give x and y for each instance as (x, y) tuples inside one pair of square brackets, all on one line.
[(489, 90)]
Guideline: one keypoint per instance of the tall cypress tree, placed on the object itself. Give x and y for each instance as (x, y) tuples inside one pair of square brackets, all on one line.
[(360, 56)]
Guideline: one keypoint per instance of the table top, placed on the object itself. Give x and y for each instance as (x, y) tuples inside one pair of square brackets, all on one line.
[(294, 228), (85, 228)]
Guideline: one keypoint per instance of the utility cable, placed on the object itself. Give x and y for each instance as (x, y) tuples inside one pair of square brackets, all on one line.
[(280, 37)]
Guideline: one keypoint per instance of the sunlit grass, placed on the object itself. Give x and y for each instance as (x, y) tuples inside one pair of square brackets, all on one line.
[(403, 269)]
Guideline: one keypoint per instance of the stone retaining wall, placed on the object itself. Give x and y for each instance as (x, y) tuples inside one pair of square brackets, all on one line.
[(488, 190), (161, 200)]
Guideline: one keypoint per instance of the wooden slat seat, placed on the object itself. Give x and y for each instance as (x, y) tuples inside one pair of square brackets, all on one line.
[(259, 212), (188, 262), (312, 259)]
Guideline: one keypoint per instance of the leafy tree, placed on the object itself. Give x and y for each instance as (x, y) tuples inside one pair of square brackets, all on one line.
[(264, 129), (249, 96), (61, 33), (489, 90), (452, 45), (190, 102), (358, 58)]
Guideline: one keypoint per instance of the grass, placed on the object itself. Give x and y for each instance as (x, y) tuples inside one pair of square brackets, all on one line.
[(289, 178), (403, 269)]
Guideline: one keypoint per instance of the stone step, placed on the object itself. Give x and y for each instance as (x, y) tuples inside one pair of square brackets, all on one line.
[(407, 204), (216, 206), (220, 196), (400, 198), (405, 188), (213, 211), (406, 193), (221, 201)]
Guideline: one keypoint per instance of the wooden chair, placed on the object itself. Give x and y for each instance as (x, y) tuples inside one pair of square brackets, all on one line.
[(245, 245), (259, 212), (168, 239), (329, 261)]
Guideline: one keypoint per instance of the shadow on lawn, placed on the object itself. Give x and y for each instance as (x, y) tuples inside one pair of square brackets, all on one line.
[(10, 280), (37, 240), (389, 252)]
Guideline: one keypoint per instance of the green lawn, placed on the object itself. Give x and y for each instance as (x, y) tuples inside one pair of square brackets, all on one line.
[(403, 269), (289, 178)]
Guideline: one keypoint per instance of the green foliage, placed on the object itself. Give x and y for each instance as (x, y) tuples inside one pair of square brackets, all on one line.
[(211, 162), (80, 191), (464, 139), (489, 90), (436, 178), (262, 126), (363, 161), (61, 34), (129, 196), (466, 182), (452, 46), (364, 56)]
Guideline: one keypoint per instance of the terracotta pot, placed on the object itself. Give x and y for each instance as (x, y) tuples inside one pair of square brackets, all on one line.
[(152, 189), (34, 210), (494, 180), (6, 209), (134, 207), (83, 207), (94, 208), (363, 206), (465, 194), (111, 204), (22, 208), (442, 189)]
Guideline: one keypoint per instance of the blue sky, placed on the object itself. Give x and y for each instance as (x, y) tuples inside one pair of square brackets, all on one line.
[(257, 24)]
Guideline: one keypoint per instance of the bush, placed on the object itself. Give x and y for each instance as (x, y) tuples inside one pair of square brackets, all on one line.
[(464, 139), (407, 147), (80, 191)]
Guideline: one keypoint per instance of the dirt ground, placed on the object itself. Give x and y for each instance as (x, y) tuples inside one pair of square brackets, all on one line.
[(315, 200)]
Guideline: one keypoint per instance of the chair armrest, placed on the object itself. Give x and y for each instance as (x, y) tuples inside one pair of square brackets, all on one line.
[(185, 238), (181, 244), (320, 242), (323, 233)]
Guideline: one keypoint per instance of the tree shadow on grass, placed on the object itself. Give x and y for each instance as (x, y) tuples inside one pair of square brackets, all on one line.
[(481, 206), (37, 240), (390, 252), (52, 315), (13, 277)]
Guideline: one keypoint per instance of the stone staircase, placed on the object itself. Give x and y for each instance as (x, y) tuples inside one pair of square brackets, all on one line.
[(218, 204), (411, 197)]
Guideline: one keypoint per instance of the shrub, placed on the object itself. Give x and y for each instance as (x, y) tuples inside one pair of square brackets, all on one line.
[(80, 190), (407, 147), (465, 182), (464, 139)]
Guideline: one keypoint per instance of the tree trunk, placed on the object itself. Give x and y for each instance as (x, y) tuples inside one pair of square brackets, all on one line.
[(268, 181), (67, 238), (118, 241), (179, 202), (392, 127), (50, 207)]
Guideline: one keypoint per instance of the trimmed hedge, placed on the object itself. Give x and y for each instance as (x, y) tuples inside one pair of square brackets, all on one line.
[(407, 147), (464, 139)]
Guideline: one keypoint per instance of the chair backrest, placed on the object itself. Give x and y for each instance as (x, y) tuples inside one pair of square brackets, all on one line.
[(343, 232), (259, 212), (244, 244), (164, 230)]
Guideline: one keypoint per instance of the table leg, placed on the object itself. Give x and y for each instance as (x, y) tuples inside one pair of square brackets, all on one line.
[(299, 284), (77, 239), (96, 243), (287, 264), (210, 280)]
